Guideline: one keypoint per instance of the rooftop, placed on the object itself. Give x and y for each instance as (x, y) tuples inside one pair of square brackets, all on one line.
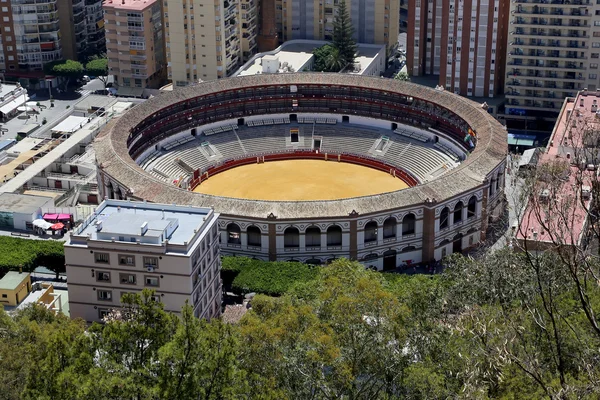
[(144, 222), (21, 203), (296, 54), (136, 5), (12, 280), (565, 193)]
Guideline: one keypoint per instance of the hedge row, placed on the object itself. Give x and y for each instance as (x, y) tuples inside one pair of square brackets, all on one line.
[(272, 278), (29, 254)]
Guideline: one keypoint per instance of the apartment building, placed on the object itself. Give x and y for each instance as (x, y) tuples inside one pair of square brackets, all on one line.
[(203, 39), (461, 41), (135, 44), (95, 36), (73, 30), (249, 19), (374, 21), (553, 52), (125, 247)]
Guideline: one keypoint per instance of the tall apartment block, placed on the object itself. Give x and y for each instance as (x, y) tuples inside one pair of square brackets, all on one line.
[(125, 247), (461, 41), (135, 44), (553, 52), (374, 21), (95, 40), (204, 38)]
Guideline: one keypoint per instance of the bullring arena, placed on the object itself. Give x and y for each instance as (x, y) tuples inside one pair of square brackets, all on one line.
[(313, 167)]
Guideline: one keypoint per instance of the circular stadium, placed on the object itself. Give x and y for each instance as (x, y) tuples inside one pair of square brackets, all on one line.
[(312, 167)]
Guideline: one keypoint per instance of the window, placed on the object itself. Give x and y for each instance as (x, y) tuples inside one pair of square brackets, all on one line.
[(313, 236), (444, 218), (102, 258), (103, 276), (151, 281), (291, 238), (408, 224), (593, 65), (127, 279), (233, 234), (103, 313), (458, 209), (125, 259), (371, 232), (4, 295), (389, 228), (254, 236), (472, 207), (150, 262), (104, 295), (334, 235), (593, 76)]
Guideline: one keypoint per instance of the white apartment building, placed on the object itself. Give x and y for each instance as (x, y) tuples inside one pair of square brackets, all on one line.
[(553, 52), (204, 39), (124, 247)]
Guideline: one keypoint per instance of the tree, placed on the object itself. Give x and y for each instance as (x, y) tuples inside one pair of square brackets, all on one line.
[(342, 34), (335, 62), (65, 70), (98, 66), (322, 54)]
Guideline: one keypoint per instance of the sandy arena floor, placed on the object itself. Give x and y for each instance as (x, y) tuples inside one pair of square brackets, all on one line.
[(300, 180)]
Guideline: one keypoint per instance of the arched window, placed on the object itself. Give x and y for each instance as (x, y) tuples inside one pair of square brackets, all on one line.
[(408, 249), (444, 218), (370, 257), (458, 210), (233, 234), (313, 236), (499, 181), (313, 261), (492, 185), (472, 207), (334, 235), (371, 232), (408, 224), (254, 236), (389, 228), (291, 238)]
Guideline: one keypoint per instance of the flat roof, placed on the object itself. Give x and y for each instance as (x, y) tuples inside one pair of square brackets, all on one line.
[(133, 5), (12, 280), (296, 53), (95, 101), (125, 218), (21, 203), (70, 124)]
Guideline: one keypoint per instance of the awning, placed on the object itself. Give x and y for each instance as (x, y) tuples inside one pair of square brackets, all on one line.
[(70, 125), (13, 105), (40, 223), (130, 91), (50, 217), (63, 217), (57, 226), (521, 140)]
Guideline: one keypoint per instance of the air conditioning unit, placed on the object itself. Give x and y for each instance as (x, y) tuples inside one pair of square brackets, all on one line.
[(150, 269)]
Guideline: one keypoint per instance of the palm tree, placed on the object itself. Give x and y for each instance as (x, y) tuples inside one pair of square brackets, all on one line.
[(335, 61)]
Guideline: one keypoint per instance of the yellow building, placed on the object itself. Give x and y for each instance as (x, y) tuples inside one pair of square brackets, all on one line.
[(14, 287)]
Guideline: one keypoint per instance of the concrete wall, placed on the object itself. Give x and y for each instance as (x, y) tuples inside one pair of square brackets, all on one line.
[(12, 297)]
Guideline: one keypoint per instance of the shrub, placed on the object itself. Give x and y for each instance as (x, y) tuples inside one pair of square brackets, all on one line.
[(29, 254), (271, 278)]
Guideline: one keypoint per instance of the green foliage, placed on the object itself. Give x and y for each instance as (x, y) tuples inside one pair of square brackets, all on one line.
[(64, 68), (322, 55), (98, 66), (402, 76), (272, 278), (29, 254)]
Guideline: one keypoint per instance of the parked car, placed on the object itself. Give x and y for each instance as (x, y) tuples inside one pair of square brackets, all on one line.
[(86, 78)]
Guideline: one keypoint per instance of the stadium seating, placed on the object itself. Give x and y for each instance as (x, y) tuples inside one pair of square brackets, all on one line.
[(408, 149)]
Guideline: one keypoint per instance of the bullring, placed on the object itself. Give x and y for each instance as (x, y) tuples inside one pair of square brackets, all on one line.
[(193, 133)]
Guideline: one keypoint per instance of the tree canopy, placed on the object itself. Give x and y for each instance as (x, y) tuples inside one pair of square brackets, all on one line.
[(65, 70), (343, 32), (98, 67)]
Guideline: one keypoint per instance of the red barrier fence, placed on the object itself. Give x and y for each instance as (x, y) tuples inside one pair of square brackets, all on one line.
[(399, 173)]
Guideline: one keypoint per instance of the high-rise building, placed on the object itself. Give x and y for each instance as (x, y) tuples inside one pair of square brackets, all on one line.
[(73, 31), (30, 36), (94, 15), (374, 21), (461, 41), (204, 39), (249, 19), (553, 52), (135, 43), (125, 247)]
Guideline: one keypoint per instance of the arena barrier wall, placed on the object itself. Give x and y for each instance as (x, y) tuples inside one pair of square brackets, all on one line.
[(405, 176)]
